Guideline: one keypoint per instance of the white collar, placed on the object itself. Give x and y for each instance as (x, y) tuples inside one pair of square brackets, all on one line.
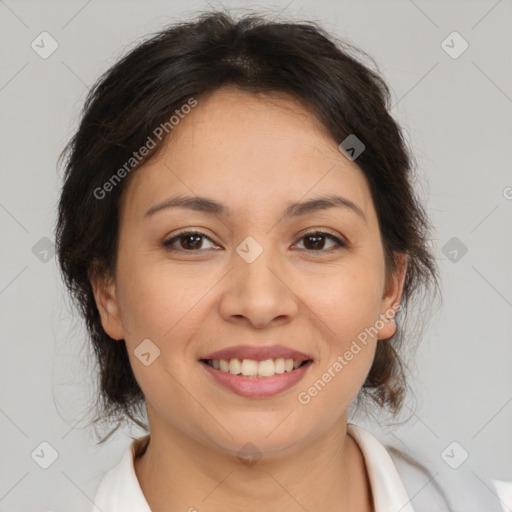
[(120, 491), (388, 491)]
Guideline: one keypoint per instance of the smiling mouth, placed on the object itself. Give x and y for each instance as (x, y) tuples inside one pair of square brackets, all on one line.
[(256, 369)]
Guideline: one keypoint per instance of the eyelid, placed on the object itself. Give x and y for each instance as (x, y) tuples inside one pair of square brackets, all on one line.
[(325, 231)]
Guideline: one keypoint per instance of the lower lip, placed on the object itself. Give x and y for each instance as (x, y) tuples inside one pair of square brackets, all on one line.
[(255, 387)]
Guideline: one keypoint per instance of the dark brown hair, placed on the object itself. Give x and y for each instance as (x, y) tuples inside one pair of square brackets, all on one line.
[(189, 60)]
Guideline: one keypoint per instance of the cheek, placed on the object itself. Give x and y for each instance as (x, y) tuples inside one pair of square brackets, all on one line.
[(348, 308), (347, 302), (163, 307), (166, 307), (154, 301)]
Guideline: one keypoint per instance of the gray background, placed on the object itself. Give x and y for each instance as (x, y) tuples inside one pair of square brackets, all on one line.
[(455, 113)]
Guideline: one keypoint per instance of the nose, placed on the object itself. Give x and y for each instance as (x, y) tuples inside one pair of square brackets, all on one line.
[(258, 293)]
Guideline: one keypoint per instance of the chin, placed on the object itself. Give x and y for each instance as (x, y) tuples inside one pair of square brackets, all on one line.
[(267, 435)]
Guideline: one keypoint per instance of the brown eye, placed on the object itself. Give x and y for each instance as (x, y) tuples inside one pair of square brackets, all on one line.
[(316, 241), (188, 241)]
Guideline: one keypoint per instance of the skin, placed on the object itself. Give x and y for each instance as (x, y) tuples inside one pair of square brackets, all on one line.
[(254, 153)]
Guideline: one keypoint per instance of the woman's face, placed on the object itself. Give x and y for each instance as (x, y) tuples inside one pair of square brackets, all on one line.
[(254, 277)]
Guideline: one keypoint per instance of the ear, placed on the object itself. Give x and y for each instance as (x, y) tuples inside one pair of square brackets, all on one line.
[(104, 290), (392, 296)]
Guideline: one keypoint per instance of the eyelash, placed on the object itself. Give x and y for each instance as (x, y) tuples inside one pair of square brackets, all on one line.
[(168, 243)]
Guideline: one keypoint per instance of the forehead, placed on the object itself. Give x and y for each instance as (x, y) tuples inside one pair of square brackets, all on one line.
[(251, 151)]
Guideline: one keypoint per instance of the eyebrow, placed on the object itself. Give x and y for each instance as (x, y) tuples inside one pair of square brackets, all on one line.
[(211, 207)]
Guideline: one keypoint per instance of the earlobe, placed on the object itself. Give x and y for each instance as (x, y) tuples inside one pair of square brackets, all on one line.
[(392, 297), (104, 290)]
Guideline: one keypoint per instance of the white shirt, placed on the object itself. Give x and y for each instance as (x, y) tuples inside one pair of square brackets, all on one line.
[(397, 484)]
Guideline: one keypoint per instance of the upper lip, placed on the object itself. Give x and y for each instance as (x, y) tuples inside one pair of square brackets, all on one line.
[(258, 353)]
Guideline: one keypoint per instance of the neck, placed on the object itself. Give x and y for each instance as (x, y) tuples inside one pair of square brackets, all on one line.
[(177, 472)]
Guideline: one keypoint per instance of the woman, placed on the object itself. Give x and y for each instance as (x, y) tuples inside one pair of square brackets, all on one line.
[(239, 228)]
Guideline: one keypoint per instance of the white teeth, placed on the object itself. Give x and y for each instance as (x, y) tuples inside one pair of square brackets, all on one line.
[(253, 368), (235, 366), (249, 367), (266, 368), (279, 365)]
